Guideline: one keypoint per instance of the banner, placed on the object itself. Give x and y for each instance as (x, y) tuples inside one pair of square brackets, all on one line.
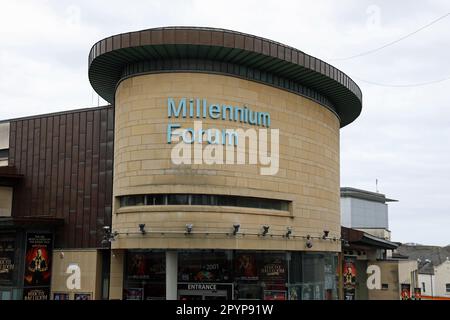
[(7, 252), (38, 262), (349, 276)]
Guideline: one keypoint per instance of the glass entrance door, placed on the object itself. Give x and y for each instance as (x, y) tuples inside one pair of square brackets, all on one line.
[(5, 295)]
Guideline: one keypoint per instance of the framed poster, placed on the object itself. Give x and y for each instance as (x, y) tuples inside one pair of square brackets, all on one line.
[(143, 266), (82, 296), (7, 254), (405, 291), (417, 294), (273, 269), (245, 267), (38, 259), (60, 296)]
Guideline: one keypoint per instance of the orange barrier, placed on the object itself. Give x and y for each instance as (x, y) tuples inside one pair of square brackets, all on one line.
[(435, 298)]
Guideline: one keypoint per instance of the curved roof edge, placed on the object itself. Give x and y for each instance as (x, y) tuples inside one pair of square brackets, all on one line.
[(265, 59)]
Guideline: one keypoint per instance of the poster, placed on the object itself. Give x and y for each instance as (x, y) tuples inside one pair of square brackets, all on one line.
[(36, 294), (38, 259), (273, 269), (293, 293), (142, 266), (274, 295), (82, 296), (349, 278), (417, 294), (405, 291), (245, 267), (7, 246), (134, 294), (60, 296), (208, 267)]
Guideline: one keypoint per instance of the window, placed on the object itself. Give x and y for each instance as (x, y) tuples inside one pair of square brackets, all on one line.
[(447, 287), (384, 286), (204, 200), (423, 287), (4, 157)]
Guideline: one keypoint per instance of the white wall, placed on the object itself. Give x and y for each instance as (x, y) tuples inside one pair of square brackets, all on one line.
[(358, 213), (442, 277), (346, 213), (428, 280)]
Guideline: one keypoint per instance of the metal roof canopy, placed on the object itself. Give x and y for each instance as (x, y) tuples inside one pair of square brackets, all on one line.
[(109, 57)]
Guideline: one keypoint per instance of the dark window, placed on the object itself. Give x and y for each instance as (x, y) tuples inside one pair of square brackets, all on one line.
[(178, 199), (423, 287), (447, 287), (4, 153), (160, 199), (204, 200), (127, 201), (384, 286)]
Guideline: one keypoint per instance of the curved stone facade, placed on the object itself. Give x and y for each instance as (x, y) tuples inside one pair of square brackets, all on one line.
[(308, 175)]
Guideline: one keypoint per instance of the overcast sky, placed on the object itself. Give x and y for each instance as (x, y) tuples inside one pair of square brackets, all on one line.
[(402, 137)]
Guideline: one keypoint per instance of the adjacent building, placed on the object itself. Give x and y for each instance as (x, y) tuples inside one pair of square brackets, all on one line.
[(434, 269), (368, 250), (366, 211)]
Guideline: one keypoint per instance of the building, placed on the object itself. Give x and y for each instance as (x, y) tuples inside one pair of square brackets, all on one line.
[(365, 221), (362, 255), (434, 269), (103, 193), (366, 211)]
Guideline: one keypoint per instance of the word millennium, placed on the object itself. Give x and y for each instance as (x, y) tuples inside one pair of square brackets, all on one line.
[(200, 109)]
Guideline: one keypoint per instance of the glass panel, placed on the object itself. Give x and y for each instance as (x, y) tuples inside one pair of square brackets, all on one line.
[(159, 199), (145, 274), (208, 200), (177, 199)]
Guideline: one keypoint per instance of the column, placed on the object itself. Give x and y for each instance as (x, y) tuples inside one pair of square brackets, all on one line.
[(171, 275), (116, 275)]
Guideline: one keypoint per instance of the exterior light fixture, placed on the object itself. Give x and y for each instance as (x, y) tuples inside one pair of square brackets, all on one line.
[(265, 230), (346, 244), (308, 242), (236, 228), (142, 228), (325, 234), (108, 236), (288, 232), (189, 227)]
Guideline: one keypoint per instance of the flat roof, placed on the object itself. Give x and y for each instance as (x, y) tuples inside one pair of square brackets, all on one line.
[(347, 192), (56, 113), (210, 50)]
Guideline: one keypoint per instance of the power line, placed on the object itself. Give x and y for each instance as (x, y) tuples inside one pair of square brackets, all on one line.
[(392, 42), (409, 85)]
